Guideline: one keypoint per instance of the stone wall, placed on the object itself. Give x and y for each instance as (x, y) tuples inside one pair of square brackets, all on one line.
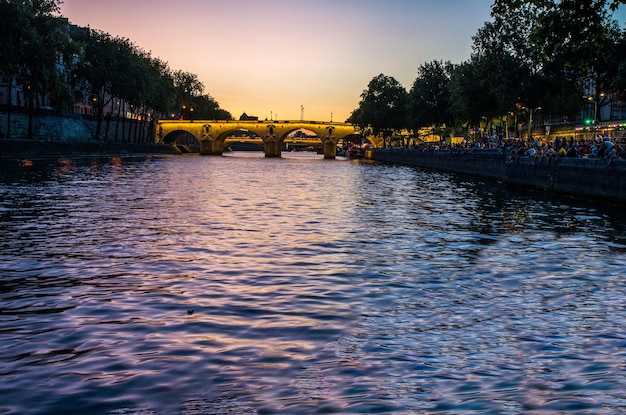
[(596, 179), (47, 127), (50, 126)]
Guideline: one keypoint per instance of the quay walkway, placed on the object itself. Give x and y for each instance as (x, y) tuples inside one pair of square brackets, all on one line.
[(13, 149)]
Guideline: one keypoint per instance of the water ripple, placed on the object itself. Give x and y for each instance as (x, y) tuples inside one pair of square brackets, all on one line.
[(245, 285)]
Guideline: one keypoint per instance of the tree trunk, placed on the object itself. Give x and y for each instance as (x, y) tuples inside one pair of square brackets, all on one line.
[(124, 129), (106, 129), (142, 137), (31, 110), (117, 123), (151, 130), (99, 111), (9, 106)]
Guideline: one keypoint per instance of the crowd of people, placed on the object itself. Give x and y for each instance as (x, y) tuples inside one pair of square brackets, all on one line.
[(599, 147)]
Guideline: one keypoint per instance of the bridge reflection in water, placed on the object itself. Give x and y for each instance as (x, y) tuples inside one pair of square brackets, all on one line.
[(211, 135)]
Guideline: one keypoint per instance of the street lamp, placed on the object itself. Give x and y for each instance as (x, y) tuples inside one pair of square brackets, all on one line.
[(595, 108), (301, 112), (595, 112)]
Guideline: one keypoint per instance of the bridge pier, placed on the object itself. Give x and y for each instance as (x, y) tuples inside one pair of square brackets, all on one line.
[(330, 147), (211, 148), (271, 148)]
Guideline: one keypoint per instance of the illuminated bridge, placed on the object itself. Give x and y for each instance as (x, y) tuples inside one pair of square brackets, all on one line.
[(211, 135)]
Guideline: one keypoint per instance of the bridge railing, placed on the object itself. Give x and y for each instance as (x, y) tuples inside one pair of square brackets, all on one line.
[(257, 122)]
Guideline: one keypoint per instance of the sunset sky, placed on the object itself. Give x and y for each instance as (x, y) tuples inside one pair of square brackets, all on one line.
[(269, 58)]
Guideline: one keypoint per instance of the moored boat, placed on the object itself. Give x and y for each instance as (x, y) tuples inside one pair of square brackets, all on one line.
[(355, 152)]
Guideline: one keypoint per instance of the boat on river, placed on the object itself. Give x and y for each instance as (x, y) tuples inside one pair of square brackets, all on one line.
[(355, 151)]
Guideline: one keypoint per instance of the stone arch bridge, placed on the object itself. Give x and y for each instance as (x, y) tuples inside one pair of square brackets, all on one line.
[(212, 134)]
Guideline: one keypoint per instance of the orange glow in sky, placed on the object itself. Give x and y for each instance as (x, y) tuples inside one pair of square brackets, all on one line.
[(269, 58)]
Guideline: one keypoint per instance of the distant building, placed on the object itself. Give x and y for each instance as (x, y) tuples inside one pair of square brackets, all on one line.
[(303, 134), (246, 117)]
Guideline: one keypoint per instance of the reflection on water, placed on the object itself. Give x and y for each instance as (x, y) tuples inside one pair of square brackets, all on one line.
[(245, 285)]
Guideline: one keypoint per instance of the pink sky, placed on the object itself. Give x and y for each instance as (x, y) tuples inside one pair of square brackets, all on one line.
[(272, 57)]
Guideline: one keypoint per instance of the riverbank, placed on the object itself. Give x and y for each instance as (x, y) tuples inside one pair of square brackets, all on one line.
[(22, 148), (594, 179)]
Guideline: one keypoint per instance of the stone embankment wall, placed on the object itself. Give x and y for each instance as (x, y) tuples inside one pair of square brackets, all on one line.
[(73, 135), (48, 127), (51, 126), (596, 179)]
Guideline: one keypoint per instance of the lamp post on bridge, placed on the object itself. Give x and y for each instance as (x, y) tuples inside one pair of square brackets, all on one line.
[(301, 113)]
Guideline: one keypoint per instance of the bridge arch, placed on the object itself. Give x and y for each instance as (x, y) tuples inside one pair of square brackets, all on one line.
[(181, 137)]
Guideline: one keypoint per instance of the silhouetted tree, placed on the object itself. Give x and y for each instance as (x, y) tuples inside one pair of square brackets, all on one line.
[(566, 44), (31, 39), (15, 30), (429, 97), (382, 107)]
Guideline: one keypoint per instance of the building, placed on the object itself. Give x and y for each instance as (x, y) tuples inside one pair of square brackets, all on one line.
[(246, 117)]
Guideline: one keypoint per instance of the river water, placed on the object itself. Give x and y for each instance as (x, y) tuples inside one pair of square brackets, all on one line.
[(244, 285)]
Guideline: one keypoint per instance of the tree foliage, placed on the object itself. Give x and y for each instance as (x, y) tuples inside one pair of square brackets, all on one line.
[(191, 101), (382, 107), (108, 68), (572, 44), (468, 99), (40, 51), (429, 97), (113, 67), (532, 54), (31, 39)]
